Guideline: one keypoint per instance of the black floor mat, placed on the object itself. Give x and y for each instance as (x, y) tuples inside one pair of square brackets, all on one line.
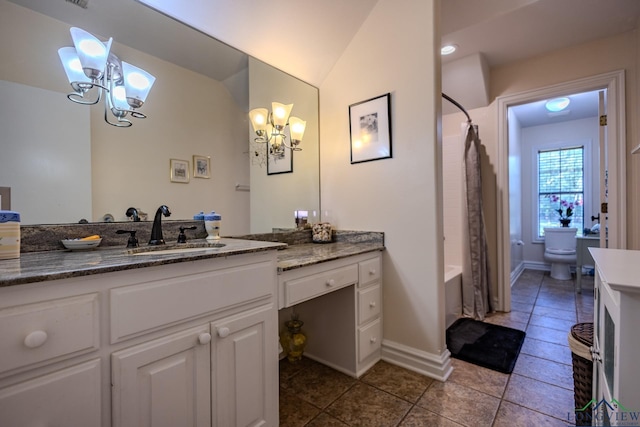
[(484, 344)]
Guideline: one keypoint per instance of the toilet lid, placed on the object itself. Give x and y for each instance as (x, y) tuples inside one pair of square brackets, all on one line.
[(561, 251)]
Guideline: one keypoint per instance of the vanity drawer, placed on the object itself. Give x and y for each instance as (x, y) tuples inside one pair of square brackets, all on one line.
[(369, 271), (369, 338), (368, 304), (304, 288), (46, 330), (150, 305)]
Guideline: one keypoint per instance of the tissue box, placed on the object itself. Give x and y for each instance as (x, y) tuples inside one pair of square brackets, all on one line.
[(9, 235)]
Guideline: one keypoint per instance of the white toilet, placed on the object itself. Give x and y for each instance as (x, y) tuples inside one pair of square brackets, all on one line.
[(560, 250)]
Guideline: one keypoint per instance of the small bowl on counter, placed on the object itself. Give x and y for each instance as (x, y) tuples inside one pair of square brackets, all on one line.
[(80, 244)]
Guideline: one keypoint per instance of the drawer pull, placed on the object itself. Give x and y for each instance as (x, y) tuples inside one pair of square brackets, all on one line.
[(204, 338), (372, 272), (331, 283), (373, 340), (35, 339), (372, 304), (223, 332)]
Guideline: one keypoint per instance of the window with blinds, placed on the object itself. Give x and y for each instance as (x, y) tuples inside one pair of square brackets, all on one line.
[(560, 186)]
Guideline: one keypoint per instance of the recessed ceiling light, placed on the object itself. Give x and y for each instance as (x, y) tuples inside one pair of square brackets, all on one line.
[(557, 104), (448, 49)]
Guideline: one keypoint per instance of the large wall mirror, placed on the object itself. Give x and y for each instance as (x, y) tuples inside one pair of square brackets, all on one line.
[(63, 163)]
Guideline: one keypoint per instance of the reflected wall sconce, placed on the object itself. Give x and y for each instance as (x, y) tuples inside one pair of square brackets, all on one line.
[(270, 125), (90, 65)]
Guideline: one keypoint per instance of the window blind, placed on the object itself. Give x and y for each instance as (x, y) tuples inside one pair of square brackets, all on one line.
[(560, 179)]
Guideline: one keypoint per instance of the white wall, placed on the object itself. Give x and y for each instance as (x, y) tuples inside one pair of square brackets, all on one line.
[(453, 197), (396, 51), (515, 193), (45, 166), (578, 132)]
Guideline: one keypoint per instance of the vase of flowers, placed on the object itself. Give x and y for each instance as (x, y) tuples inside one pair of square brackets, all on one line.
[(566, 209)]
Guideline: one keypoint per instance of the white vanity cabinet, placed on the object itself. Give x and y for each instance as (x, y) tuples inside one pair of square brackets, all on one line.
[(616, 346), (340, 303), (185, 344)]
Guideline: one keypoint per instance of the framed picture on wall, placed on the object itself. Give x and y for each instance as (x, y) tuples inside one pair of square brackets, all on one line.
[(277, 164), (179, 171), (201, 167), (370, 129)]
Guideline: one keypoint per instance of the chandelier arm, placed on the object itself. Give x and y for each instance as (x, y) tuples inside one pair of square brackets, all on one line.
[(78, 95), (110, 104), (122, 123)]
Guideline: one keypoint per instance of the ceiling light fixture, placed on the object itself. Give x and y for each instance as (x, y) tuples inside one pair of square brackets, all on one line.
[(91, 65), (557, 104), (270, 126), (448, 49)]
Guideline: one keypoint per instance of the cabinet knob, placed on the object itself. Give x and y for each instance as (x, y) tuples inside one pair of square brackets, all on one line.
[(373, 340), (223, 332), (372, 304), (372, 272), (331, 283), (35, 339), (204, 338)]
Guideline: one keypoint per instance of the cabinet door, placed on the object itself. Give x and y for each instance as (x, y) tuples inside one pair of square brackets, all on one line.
[(245, 377), (164, 382), (69, 397)]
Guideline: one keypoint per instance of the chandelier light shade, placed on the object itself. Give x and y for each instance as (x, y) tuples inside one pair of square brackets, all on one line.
[(92, 52), (269, 128), (95, 73), (72, 66), (259, 117), (137, 84), (281, 114)]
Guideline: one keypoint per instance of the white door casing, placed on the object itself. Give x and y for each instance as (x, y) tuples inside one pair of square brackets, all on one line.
[(614, 83)]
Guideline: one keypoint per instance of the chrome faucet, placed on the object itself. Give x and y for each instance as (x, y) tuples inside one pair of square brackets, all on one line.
[(156, 231)]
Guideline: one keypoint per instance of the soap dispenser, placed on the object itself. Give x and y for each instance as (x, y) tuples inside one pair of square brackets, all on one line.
[(9, 234), (212, 225)]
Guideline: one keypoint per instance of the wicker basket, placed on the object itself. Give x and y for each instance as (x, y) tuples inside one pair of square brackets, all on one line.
[(580, 341)]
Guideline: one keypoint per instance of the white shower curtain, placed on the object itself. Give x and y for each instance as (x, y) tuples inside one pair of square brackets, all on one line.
[(476, 289)]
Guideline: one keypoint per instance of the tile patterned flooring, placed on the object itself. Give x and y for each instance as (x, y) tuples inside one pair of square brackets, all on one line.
[(538, 393)]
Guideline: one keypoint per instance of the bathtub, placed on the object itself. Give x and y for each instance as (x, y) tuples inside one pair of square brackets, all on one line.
[(452, 293)]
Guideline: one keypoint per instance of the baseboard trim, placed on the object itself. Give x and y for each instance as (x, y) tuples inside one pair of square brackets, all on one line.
[(431, 365), (536, 265), (517, 272)]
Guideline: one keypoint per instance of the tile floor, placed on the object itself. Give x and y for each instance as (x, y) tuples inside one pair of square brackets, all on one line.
[(538, 393)]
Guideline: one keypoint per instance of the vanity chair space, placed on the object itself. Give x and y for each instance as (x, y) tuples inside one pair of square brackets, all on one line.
[(178, 342), (340, 302)]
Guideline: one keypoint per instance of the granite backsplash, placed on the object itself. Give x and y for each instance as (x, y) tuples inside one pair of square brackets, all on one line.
[(37, 238)]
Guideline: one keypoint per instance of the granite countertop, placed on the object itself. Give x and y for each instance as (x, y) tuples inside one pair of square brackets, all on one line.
[(306, 254), (51, 265)]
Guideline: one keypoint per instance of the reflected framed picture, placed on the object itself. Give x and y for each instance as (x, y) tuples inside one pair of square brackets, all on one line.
[(280, 163), (179, 170), (370, 129), (201, 166)]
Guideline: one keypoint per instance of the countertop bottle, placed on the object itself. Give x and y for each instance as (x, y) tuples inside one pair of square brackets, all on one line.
[(212, 225), (9, 235)]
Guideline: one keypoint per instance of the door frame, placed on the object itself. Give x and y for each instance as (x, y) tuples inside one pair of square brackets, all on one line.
[(614, 83)]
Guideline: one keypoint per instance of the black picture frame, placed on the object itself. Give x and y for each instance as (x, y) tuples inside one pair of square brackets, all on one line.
[(370, 129)]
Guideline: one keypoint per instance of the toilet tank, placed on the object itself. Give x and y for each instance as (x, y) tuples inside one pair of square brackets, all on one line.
[(560, 238)]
